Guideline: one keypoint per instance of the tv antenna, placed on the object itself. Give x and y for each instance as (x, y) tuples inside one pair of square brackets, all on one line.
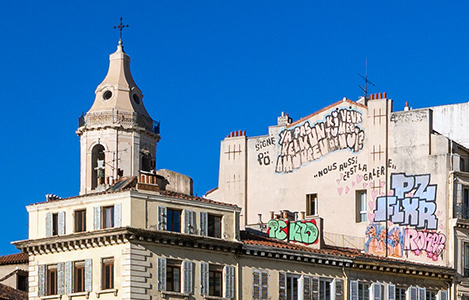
[(365, 78)]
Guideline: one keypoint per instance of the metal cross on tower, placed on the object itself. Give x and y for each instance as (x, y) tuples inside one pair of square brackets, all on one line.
[(120, 26)]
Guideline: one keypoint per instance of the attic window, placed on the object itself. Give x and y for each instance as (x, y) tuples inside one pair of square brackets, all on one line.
[(107, 95), (136, 98)]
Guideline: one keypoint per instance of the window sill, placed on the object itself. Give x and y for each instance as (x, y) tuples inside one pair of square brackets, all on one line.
[(167, 294), (51, 297), (215, 298), (78, 294), (110, 291)]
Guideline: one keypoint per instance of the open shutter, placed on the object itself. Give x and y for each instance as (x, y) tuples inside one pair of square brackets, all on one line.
[(69, 277), (88, 275), (353, 290), (307, 288), (339, 289), (315, 288), (204, 278), (443, 295), (256, 284), (61, 221), (42, 280), (188, 277), (203, 218), (118, 215), (229, 281), (422, 293), (162, 273), (391, 292), (97, 217), (49, 224), (413, 293), (61, 278), (282, 286), (188, 225), (377, 291), (264, 285), (162, 215)]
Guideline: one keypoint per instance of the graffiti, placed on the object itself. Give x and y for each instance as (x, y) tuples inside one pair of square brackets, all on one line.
[(263, 158), (265, 143), (306, 143), (377, 242), (305, 231), (278, 229), (350, 166), (409, 116), (431, 242), (413, 202)]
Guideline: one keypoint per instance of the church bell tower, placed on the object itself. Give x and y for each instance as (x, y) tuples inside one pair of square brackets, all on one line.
[(117, 135)]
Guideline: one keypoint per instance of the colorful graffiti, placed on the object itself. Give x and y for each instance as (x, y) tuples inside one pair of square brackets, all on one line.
[(376, 243), (304, 231), (306, 143), (429, 241), (412, 203)]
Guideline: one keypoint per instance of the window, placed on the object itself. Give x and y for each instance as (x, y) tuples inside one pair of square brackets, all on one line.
[(80, 220), (55, 224), (361, 207), (173, 276), (292, 287), (79, 276), (173, 219), (22, 282), (325, 289), (260, 284), (400, 293), (107, 217), (465, 204), (51, 278), (462, 164), (312, 204), (215, 281), (214, 226), (466, 260), (364, 291), (430, 295), (107, 276)]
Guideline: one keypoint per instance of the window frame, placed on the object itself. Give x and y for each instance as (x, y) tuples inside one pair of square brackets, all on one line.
[(213, 227), (361, 206), (364, 290), (312, 204), (401, 293), (215, 280), (170, 224), (107, 275), (430, 294), (105, 219), (55, 224), (173, 283), (327, 284), (80, 216), (79, 276), (51, 280)]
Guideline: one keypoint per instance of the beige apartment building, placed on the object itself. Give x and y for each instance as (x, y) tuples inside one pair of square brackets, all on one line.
[(137, 233)]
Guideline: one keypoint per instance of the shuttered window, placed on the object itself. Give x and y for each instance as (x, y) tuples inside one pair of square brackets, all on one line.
[(188, 280), (413, 293), (215, 281), (229, 273), (189, 221), (443, 295), (162, 273), (282, 286), (79, 276), (107, 276), (400, 293), (391, 292), (339, 289), (108, 216), (55, 223), (378, 291), (214, 226), (203, 223), (173, 275), (51, 280), (204, 279)]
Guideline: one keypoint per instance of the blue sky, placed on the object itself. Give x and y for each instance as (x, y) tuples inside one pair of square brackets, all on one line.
[(206, 68)]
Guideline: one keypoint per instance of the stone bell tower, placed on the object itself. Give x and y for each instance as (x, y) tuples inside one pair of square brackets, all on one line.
[(117, 135)]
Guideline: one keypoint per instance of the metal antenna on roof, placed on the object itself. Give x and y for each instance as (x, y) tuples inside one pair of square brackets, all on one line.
[(365, 78)]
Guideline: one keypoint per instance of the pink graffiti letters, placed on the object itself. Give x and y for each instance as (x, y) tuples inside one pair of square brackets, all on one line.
[(431, 242), (306, 143)]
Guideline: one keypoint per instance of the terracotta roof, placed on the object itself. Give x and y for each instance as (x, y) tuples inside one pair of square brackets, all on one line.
[(18, 258), (9, 293)]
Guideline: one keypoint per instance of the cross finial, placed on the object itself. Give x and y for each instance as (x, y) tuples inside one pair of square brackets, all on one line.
[(120, 26)]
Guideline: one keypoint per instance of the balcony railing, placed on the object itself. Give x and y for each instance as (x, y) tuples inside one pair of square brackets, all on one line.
[(119, 118), (461, 211)]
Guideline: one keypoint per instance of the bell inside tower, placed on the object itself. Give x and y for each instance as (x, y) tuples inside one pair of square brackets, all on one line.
[(98, 166)]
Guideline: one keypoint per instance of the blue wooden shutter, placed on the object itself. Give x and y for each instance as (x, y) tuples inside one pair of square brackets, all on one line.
[(88, 275), (282, 286), (118, 215), (97, 217), (264, 285), (69, 277), (315, 288), (229, 281), (188, 277), (61, 278), (377, 291), (162, 273), (61, 221), (162, 218), (339, 289), (354, 290), (203, 218), (42, 280), (204, 278), (443, 295), (422, 293), (256, 284), (188, 221), (49, 224), (391, 292), (413, 293)]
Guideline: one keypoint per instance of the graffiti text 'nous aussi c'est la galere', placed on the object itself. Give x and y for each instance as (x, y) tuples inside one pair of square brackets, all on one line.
[(306, 143)]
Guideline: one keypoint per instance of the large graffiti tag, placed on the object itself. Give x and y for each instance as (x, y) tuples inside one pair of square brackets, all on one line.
[(306, 143), (429, 241), (305, 231), (413, 202), (376, 242)]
